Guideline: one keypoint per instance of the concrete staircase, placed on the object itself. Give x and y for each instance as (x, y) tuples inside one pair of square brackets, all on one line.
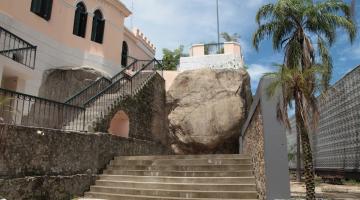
[(176, 177), (102, 105)]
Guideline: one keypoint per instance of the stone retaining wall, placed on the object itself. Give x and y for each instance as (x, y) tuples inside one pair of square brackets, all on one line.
[(52, 164), (253, 142), (263, 138), (146, 112)]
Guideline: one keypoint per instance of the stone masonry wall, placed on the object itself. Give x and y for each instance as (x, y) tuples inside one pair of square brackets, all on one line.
[(52, 164), (254, 146), (146, 112)]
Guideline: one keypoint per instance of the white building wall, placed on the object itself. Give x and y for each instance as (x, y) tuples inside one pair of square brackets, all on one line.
[(216, 61)]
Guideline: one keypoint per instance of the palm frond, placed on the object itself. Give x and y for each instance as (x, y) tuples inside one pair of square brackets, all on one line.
[(264, 30), (264, 12)]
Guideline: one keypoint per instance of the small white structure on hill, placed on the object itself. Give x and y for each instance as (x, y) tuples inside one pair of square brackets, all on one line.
[(222, 55)]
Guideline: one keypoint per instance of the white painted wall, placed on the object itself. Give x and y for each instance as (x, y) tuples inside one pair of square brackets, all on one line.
[(216, 61)]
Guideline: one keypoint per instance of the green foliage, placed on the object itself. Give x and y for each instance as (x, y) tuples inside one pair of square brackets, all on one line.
[(230, 38), (291, 24), (171, 59)]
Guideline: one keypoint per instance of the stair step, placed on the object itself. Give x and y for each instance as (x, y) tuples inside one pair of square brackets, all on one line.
[(171, 179), (156, 157), (199, 161), (138, 197), (180, 173), (182, 167), (178, 186), (176, 193)]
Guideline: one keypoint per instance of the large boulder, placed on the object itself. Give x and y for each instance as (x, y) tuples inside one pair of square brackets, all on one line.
[(61, 83), (207, 108)]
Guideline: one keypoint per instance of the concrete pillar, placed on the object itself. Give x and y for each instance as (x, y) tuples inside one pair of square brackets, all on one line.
[(197, 50), (275, 147), (232, 48)]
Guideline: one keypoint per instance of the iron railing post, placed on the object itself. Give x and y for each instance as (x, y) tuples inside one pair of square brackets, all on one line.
[(131, 87), (84, 124)]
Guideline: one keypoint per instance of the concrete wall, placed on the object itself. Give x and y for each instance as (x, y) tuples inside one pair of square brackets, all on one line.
[(169, 77), (197, 50), (52, 164), (263, 137), (215, 61)]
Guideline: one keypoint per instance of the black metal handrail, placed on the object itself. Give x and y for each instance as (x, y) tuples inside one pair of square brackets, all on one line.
[(27, 110), (127, 77), (213, 48), (17, 49), (101, 104), (94, 88), (119, 75), (89, 91)]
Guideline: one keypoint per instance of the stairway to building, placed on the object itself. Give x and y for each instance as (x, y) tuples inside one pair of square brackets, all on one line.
[(176, 177), (102, 104)]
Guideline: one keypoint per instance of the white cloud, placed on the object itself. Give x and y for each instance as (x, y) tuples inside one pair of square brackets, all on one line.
[(256, 71), (171, 23)]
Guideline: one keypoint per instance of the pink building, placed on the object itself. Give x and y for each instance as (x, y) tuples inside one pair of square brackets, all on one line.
[(37, 35)]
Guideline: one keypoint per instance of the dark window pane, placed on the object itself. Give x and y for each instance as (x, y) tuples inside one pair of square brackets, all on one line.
[(77, 23), (100, 34), (124, 54), (42, 8), (36, 6), (97, 32), (83, 24), (80, 20), (47, 9), (94, 28)]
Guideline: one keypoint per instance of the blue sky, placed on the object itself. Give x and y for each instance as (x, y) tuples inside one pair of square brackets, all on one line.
[(170, 23)]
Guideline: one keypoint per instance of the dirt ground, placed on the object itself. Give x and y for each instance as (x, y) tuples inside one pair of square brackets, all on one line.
[(327, 191)]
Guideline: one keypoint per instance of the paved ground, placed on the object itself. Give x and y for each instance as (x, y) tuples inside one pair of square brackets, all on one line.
[(328, 191)]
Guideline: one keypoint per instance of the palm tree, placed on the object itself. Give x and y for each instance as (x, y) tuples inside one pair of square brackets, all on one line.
[(293, 25), (230, 38)]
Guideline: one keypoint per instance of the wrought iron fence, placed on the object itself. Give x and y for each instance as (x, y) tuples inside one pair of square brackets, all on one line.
[(130, 83), (26, 110), (86, 107), (84, 95), (17, 49), (214, 48), (96, 87)]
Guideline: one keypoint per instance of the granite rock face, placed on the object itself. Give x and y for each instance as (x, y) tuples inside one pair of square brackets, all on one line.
[(61, 83), (207, 108)]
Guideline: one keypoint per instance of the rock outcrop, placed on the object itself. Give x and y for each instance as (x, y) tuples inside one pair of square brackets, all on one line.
[(207, 108), (61, 83)]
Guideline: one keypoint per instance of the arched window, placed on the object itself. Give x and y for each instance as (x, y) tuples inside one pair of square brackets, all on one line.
[(98, 26), (80, 20), (42, 8), (124, 54)]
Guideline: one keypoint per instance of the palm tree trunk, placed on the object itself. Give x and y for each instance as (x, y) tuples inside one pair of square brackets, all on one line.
[(306, 148), (298, 157)]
